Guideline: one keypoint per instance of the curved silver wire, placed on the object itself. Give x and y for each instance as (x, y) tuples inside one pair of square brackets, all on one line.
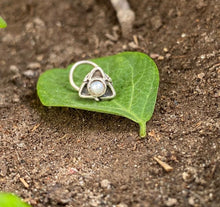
[(73, 69)]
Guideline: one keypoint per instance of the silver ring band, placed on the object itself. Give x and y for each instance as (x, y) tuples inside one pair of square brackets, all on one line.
[(73, 69), (96, 84)]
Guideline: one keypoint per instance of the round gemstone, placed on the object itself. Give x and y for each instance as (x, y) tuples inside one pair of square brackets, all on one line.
[(97, 88)]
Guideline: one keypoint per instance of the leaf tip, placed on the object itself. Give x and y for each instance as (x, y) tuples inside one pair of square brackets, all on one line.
[(3, 23)]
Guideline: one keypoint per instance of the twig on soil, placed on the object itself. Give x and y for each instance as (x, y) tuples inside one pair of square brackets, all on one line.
[(135, 145), (213, 171), (125, 16), (111, 37), (180, 56), (24, 182), (114, 36), (164, 165), (135, 40), (35, 127), (63, 137)]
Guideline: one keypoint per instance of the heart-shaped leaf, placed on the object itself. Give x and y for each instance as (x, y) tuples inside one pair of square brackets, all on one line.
[(3, 24), (10, 200), (135, 79)]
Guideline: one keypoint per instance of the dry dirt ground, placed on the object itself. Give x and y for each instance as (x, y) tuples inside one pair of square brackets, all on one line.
[(68, 157)]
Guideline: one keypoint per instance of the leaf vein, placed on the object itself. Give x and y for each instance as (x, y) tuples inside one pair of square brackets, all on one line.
[(144, 108), (132, 84)]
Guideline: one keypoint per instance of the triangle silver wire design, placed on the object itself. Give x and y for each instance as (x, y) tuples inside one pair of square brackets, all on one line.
[(97, 74)]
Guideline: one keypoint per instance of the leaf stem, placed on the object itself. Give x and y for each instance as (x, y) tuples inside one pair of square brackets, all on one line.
[(142, 129)]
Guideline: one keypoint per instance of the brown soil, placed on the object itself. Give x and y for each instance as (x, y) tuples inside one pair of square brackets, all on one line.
[(69, 157)]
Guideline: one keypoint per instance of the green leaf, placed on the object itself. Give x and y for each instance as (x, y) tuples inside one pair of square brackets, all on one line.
[(135, 79), (3, 24), (10, 200)]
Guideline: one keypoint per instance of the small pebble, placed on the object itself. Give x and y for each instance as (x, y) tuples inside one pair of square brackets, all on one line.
[(122, 205), (171, 202), (40, 57), (160, 57), (191, 201), (124, 187), (165, 49), (58, 24), (202, 56), (189, 175), (211, 196), (14, 69), (154, 55), (8, 39), (201, 75), (124, 47), (201, 4), (94, 203), (16, 99), (156, 22), (105, 184), (168, 55), (34, 65), (133, 45), (21, 144), (185, 176), (217, 94), (39, 22), (29, 73)]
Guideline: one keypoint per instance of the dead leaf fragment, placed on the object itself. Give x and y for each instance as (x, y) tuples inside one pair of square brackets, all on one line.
[(153, 134)]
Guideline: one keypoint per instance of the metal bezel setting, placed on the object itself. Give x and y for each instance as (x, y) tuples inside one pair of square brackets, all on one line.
[(96, 74)]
